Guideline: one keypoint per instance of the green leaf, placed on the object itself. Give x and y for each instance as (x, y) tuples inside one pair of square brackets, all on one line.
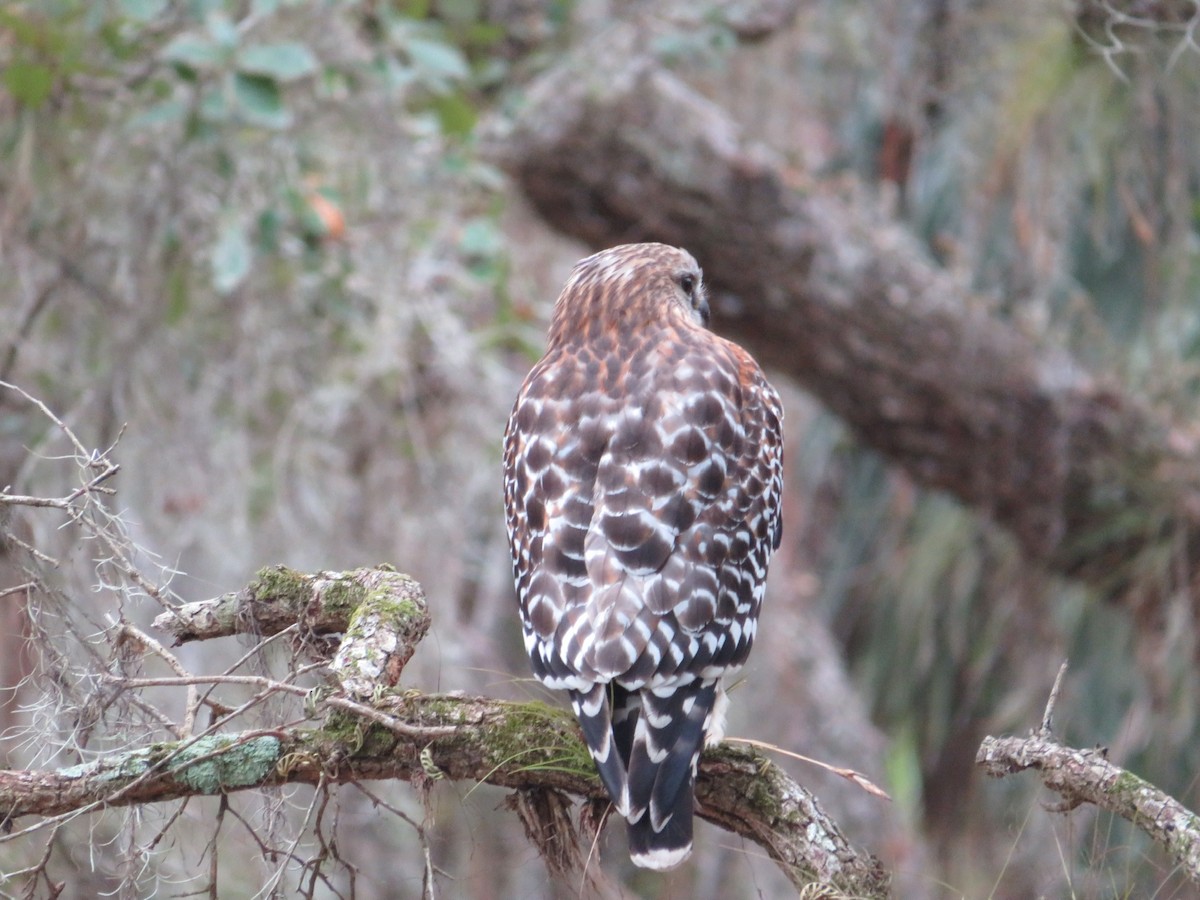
[(484, 34), (223, 31), (177, 295), (29, 83), (231, 257), (159, 114), (283, 62), (310, 225), (142, 10), (51, 37), (415, 9), (462, 11), (259, 101), (214, 106), (455, 114), (194, 52), (437, 60), (270, 227), (395, 74)]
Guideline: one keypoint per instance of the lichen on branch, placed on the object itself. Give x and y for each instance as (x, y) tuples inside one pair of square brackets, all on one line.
[(279, 598)]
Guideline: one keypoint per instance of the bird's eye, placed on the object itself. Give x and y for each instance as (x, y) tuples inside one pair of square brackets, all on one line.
[(687, 281)]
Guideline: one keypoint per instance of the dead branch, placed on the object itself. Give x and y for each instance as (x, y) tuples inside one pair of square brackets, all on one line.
[(1087, 776)]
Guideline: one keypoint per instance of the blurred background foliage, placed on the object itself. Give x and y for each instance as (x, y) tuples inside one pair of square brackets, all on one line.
[(256, 242)]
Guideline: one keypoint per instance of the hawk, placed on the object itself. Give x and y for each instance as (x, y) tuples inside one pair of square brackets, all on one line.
[(642, 481)]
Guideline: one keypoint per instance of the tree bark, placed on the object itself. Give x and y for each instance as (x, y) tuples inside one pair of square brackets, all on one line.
[(279, 598), (611, 147)]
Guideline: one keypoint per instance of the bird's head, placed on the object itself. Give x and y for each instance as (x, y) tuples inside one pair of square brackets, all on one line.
[(631, 287)]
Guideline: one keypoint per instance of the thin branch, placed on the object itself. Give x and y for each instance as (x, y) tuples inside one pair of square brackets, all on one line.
[(192, 707), (272, 885), (37, 554), (1047, 726), (1087, 776), (82, 452), (852, 775), (269, 684), (18, 589), (43, 502), (427, 879), (191, 680)]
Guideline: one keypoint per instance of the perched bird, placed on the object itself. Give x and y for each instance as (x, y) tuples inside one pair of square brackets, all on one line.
[(642, 481)]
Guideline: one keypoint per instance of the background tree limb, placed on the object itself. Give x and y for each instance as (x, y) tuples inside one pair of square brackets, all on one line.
[(821, 285)]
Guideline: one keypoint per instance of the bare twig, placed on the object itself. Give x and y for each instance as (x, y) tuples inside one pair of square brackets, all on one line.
[(126, 629), (851, 775), (427, 878), (1047, 726), (68, 502), (22, 588), (269, 684), (82, 506), (34, 552), (83, 453)]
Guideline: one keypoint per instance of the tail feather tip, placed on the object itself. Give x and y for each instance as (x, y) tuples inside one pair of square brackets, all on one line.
[(661, 858)]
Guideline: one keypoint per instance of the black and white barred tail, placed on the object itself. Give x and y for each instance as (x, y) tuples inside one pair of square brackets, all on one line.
[(647, 745)]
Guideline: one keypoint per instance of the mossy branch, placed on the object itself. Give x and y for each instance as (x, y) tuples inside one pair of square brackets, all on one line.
[(279, 598), (532, 748), (529, 747)]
